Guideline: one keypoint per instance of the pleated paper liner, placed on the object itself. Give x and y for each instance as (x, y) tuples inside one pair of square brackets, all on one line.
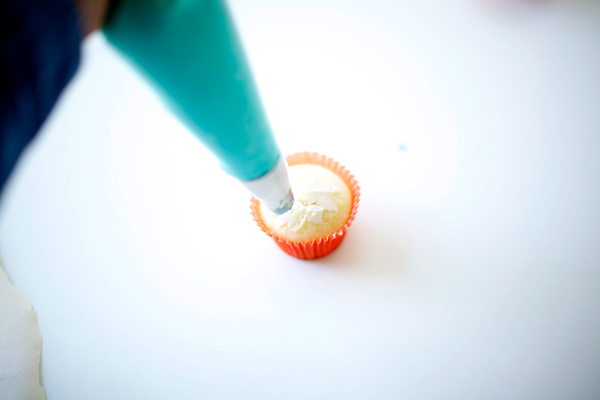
[(322, 246)]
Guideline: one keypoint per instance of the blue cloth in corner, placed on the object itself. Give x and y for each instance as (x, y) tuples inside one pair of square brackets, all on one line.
[(39, 53)]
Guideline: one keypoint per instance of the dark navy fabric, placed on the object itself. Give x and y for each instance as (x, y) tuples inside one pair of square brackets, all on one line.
[(39, 53)]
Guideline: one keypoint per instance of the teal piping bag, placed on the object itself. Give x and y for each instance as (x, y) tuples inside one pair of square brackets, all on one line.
[(190, 51)]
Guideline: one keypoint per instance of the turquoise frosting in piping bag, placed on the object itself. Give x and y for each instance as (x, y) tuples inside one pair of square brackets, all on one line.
[(191, 51)]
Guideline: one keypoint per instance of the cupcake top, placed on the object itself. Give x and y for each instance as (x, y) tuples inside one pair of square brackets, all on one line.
[(322, 204)]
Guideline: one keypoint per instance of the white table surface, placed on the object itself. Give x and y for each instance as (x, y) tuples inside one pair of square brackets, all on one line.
[(473, 267)]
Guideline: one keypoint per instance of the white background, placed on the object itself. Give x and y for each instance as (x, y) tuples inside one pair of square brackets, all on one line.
[(472, 270)]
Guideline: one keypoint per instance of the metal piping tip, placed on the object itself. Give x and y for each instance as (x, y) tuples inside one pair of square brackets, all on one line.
[(285, 205), (273, 189)]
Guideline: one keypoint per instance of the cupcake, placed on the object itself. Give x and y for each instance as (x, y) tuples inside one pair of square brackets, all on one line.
[(326, 200)]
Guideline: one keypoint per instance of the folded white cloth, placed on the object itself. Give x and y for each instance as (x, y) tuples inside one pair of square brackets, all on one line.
[(20, 345)]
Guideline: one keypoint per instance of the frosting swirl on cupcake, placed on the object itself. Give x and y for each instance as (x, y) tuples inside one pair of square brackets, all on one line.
[(322, 205)]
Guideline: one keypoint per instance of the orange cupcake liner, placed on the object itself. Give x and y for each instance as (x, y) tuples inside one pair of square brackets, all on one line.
[(318, 247)]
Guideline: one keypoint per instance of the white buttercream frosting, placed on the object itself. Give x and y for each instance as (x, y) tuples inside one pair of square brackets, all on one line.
[(321, 207)]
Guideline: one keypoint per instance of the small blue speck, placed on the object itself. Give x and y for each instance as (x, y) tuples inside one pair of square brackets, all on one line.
[(402, 147)]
